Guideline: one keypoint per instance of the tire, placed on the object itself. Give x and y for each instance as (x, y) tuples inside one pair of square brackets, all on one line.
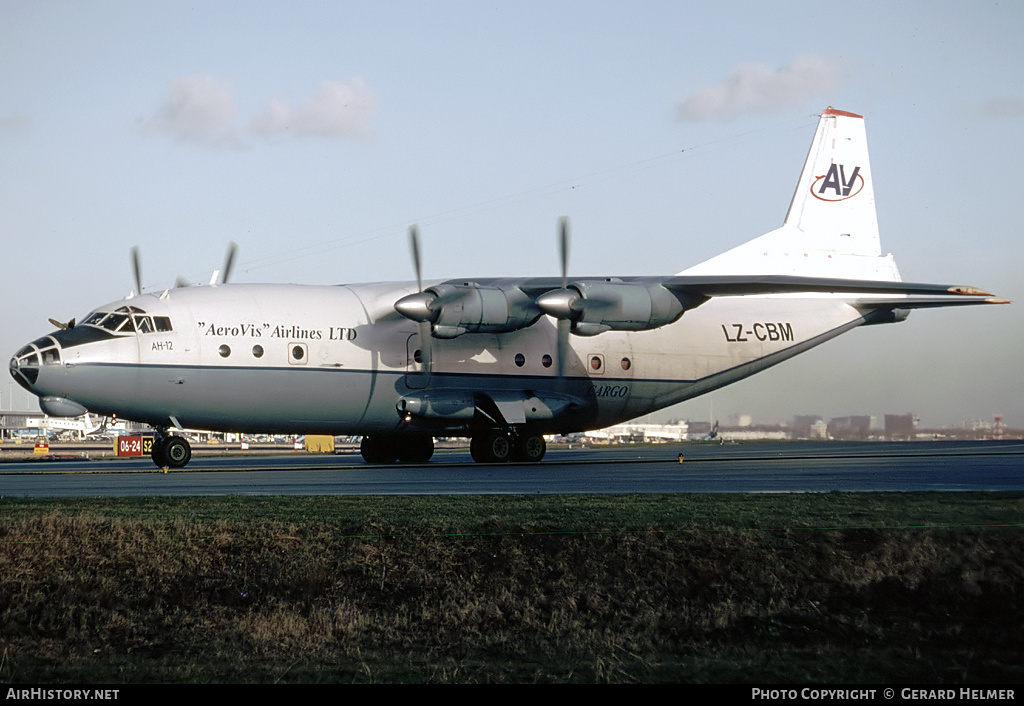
[(491, 447), (158, 453), (378, 449), (415, 449), (530, 448), (175, 452)]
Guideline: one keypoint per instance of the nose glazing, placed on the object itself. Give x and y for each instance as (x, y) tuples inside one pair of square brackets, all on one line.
[(25, 364)]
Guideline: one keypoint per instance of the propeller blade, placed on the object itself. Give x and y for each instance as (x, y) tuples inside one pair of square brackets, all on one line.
[(414, 246), (137, 270), (563, 344), (229, 262), (563, 248), (425, 347), (425, 325), (564, 324)]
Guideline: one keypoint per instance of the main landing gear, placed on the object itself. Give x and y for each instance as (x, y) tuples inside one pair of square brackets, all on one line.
[(496, 446), (492, 446), (388, 448), (171, 451)]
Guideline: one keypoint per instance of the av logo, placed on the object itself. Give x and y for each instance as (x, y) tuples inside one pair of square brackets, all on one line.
[(835, 186)]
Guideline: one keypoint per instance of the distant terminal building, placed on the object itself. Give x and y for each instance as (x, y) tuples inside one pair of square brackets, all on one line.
[(900, 426), (641, 433), (809, 426), (754, 432), (857, 428)]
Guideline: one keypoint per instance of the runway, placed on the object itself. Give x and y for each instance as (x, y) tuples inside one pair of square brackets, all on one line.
[(776, 467)]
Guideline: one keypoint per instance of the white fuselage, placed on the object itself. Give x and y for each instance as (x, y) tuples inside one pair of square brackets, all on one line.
[(337, 359)]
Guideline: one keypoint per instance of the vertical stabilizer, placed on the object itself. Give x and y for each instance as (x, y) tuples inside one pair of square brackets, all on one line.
[(831, 229), (835, 197)]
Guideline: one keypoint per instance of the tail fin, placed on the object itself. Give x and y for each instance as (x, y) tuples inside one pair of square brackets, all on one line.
[(835, 198), (831, 229)]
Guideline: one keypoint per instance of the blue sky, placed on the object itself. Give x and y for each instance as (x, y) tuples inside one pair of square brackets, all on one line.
[(313, 133)]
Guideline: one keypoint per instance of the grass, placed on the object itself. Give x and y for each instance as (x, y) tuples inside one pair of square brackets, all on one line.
[(923, 588)]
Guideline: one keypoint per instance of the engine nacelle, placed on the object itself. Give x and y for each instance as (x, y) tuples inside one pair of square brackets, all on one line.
[(623, 306), (470, 308), (506, 406)]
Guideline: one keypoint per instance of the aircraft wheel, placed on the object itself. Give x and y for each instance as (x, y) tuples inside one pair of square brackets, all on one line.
[(491, 447), (530, 448), (157, 454), (415, 449), (173, 452), (378, 449)]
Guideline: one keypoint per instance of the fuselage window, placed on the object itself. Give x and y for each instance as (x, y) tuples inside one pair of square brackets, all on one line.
[(257, 351), (520, 360), (162, 323), (224, 351), (297, 353), (546, 361)]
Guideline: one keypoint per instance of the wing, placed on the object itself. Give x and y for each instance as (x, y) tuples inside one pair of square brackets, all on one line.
[(594, 305)]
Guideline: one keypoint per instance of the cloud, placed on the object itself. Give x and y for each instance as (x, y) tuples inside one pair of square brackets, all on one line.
[(756, 88), (14, 123), (199, 110), (340, 109), (1004, 108)]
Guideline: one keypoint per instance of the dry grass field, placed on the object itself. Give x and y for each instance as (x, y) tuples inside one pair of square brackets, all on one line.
[(829, 588)]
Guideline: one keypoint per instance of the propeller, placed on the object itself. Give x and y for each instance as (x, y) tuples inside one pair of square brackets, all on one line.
[(417, 307), (223, 275), (229, 262), (564, 325), (561, 304), (137, 269)]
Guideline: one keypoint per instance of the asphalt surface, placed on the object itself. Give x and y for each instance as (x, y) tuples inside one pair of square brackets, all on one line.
[(771, 467)]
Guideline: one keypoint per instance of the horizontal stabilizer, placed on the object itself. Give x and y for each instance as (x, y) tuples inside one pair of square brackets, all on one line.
[(925, 302), (740, 285)]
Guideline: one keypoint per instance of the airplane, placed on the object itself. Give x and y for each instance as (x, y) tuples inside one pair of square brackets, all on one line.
[(85, 426), (501, 361)]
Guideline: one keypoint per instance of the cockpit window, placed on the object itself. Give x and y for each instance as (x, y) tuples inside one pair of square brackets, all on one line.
[(41, 352), (129, 319)]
